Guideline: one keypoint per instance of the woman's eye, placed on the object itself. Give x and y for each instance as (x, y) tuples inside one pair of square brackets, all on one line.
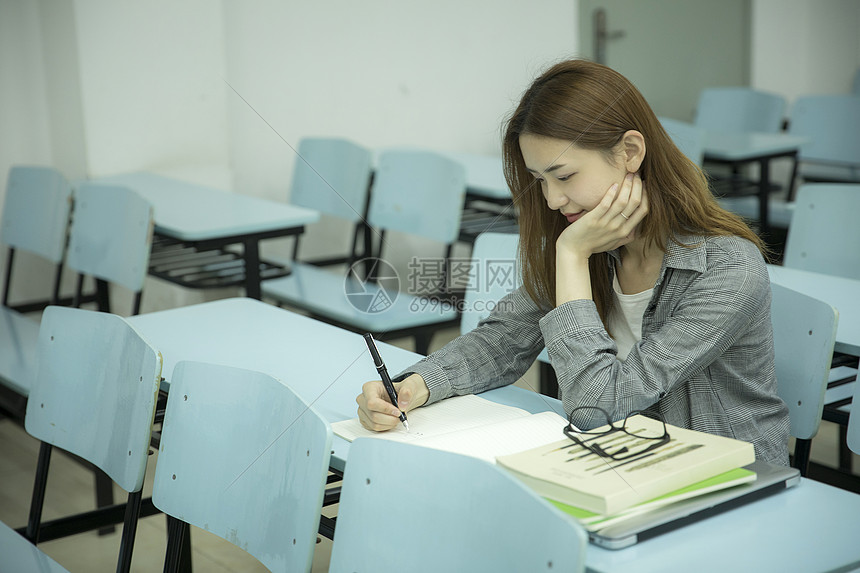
[(566, 177)]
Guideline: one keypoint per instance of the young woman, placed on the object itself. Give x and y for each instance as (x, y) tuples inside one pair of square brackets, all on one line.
[(646, 294)]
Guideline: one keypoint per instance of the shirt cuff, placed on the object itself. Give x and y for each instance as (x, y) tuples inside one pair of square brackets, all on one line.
[(434, 377)]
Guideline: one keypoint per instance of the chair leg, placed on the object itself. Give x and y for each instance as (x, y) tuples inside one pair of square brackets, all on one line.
[(802, 450), (845, 456), (39, 486), (102, 295), (548, 380), (422, 342), (104, 495), (129, 530), (178, 554)]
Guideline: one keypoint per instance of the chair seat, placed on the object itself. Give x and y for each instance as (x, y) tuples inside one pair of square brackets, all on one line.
[(836, 173), (18, 337), (21, 556), (779, 212), (324, 293)]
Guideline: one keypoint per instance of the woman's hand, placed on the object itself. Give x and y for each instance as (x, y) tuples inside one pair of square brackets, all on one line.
[(375, 411), (611, 224)]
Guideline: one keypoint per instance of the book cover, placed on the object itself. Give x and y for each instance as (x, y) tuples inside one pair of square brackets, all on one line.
[(595, 521), (569, 473)]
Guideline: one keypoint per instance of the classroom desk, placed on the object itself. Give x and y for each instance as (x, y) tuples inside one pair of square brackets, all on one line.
[(810, 527), (326, 366), (194, 224), (737, 149), (839, 292), (485, 177), (323, 364)]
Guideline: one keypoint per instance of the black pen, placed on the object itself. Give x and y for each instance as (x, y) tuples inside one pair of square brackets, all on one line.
[(383, 373)]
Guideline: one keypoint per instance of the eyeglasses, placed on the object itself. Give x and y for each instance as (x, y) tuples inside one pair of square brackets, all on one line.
[(633, 440)]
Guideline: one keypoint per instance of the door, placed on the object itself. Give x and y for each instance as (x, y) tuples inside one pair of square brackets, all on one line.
[(670, 49)]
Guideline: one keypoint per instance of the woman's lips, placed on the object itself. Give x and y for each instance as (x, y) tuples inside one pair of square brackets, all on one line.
[(572, 217)]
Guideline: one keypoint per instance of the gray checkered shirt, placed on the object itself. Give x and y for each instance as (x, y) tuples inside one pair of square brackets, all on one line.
[(705, 360)]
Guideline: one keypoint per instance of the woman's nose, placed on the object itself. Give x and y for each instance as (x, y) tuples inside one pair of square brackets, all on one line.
[(555, 199)]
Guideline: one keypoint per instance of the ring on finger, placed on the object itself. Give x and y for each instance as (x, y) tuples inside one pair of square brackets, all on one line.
[(625, 216)]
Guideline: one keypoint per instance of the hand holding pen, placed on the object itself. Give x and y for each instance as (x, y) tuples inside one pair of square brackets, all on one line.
[(383, 373)]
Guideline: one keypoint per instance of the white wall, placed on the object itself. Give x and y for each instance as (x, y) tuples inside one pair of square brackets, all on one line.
[(24, 126), (805, 47), (440, 75), (437, 74), (152, 96)]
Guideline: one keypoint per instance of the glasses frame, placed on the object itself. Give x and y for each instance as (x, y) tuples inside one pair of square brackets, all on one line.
[(596, 449)]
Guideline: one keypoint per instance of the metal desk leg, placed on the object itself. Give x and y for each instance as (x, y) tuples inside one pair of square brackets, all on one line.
[(763, 197), (252, 269)]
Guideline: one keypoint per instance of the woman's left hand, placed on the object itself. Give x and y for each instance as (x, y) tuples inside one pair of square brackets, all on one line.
[(611, 224)]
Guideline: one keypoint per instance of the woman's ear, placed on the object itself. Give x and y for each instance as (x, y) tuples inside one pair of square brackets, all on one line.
[(633, 148)]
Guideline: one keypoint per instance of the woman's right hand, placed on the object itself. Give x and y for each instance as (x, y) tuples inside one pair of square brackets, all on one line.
[(375, 411)]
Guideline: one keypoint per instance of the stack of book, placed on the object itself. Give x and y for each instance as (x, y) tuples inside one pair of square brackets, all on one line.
[(598, 491)]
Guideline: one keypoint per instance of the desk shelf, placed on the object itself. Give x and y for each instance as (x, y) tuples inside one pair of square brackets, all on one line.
[(190, 265), (482, 215)]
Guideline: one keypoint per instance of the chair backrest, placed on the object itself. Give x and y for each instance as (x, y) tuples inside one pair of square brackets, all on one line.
[(739, 109), (36, 211), (689, 138), (95, 390), (853, 438), (332, 176), (244, 457), (452, 513), (495, 273), (824, 235), (111, 234), (804, 332), (832, 125), (418, 192)]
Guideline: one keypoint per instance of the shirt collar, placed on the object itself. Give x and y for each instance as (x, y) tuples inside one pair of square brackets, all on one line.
[(682, 252)]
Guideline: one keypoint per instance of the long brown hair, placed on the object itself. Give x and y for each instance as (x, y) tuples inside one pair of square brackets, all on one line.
[(593, 106)]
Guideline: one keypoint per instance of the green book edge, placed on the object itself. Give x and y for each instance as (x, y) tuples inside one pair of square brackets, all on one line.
[(724, 480)]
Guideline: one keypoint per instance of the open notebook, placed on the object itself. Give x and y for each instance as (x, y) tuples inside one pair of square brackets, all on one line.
[(468, 425)]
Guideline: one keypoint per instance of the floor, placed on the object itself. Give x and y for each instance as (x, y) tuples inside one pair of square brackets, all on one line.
[(70, 490)]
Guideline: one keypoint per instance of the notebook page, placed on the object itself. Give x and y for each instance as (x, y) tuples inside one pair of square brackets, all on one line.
[(444, 417), (501, 438)]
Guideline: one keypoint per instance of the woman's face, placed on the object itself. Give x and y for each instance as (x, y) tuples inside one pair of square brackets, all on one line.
[(573, 180)]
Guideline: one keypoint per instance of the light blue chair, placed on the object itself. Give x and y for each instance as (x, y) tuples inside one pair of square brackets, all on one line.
[(94, 396), (21, 556), (853, 435), (417, 193), (110, 240), (256, 479), (689, 138), (804, 333), (496, 273), (823, 238), (739, 110), (824, 235), (332, 176), (832, 125), (35, 220), (451, 513)]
